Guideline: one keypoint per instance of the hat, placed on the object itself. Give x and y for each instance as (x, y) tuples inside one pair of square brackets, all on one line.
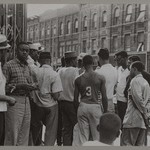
[(3, 42), (45, 55), (36, 46), (81, 55), (70, 54)]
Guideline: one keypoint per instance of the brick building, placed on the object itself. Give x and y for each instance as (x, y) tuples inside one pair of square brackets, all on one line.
[(88, 27)]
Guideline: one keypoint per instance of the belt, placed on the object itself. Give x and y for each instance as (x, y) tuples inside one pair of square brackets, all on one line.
[(18, 94), (65, 101)]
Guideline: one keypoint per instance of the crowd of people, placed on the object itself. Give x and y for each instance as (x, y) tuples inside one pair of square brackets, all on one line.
[(78, 104)]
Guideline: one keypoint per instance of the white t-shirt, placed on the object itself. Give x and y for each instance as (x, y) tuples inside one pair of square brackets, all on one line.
[(3, 105), (110, 74), (94, 143), (68, 76), (122, 75), (49, 82)]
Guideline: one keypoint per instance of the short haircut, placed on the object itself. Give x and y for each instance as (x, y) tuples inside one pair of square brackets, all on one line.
[(109, 125), (134, 58), (22, 43), (138, 65), (104, 54), (87, 60), (69, 60), (123, 54)]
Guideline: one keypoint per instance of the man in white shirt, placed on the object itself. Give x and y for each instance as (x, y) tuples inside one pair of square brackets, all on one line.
[(33, 63), (68, 76), (123, 72), (109, 129), (50, 86), (4, 100), (110, 75)]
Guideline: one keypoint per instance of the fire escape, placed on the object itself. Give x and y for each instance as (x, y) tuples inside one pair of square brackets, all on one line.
[(13, 24)]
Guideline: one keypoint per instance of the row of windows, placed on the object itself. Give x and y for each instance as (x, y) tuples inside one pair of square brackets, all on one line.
[(116, 20), (115, 43)]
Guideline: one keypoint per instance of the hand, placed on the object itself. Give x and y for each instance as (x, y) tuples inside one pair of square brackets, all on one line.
[(25, 86), (11, 101)]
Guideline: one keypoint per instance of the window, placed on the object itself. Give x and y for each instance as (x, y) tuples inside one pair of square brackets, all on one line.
[(48, 30), (54, 30), (36, 33), (128, 13), (31, 33), (68, 27), (76, 25), (94, 21), (61, 51), (84, 46), (85, 24), (140, 41), (27, 34), (142, 9), (94, 46), (104, 19), (127, 42), (42, 31), (61, 28), (116, 16), (103, 45), (115, 43)]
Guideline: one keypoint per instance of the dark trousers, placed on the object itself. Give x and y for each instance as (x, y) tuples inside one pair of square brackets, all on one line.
[(59, 130), (122, 106), (2, 128), (69, 117), (35, 136), (47, 116)]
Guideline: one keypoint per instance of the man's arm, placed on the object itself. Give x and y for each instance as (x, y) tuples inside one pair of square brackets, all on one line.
[(55, 95), (76, 96), (104, 97), (10, 100), (56, 87)]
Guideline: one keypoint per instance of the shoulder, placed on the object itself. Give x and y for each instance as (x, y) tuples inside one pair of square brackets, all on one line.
[(10, 63), (100, 77), (52, 72)]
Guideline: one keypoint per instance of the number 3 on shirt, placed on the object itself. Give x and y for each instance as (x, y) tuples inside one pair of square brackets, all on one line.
[(88, 91)]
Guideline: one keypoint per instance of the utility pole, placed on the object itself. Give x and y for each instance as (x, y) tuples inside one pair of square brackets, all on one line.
[(14, 30)]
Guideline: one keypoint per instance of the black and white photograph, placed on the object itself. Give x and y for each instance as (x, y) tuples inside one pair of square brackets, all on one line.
[(75, 74)]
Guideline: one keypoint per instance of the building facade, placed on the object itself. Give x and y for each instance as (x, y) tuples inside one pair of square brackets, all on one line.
[(88, 27)]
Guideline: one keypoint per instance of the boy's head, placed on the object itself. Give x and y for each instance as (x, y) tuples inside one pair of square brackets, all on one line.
[(87, 61), (109, 127)]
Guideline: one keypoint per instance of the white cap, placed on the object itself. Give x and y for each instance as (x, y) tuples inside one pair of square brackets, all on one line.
[(36, 46), (81, 55), (3, 42)]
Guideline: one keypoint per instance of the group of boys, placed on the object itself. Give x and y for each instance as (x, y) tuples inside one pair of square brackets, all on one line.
[(81, 96)]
